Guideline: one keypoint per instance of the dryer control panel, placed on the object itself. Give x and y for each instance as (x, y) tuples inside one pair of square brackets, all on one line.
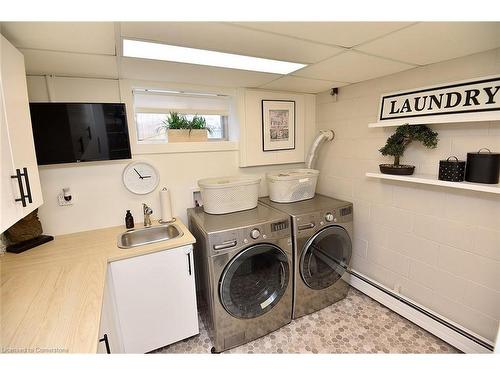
[(306, 225)]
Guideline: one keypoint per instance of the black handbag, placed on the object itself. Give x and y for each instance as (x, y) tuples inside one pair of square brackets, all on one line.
[(451, 170)]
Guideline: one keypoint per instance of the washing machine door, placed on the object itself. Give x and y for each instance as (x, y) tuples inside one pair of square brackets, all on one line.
[(325, 257), (254, 281)]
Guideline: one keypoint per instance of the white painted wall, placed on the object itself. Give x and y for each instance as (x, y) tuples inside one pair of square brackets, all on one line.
[(100, 199), (441, 246)]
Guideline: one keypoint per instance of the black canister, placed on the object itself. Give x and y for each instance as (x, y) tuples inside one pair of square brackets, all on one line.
[(451, 170), (483, 167)]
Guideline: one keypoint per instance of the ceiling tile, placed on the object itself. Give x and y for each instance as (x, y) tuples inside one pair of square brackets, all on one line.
[(229, 38), (69, 64), (84, 37), (299, 84), (154, 70), (430, 42), (345, 34), (352, 67)]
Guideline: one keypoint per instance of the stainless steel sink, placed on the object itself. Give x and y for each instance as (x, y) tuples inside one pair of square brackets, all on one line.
[(145, 236)]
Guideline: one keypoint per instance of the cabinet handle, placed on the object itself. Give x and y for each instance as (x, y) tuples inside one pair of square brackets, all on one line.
[(27, 181), (189, 263), (82, 147), (19, 176), (106, 342)]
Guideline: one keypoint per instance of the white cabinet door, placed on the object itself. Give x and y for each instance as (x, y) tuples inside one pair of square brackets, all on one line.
[(155, 299), (109, 332), (18, 141), (10, 210)]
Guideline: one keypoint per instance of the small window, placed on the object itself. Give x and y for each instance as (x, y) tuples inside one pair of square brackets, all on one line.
[(149, 126), (153, 107)]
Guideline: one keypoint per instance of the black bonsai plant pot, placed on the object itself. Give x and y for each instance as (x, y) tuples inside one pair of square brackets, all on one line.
[(400, 169), (397, 143)]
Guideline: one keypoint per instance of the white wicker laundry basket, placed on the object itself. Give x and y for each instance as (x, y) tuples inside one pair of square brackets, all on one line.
[(292, 185), (222, 195)]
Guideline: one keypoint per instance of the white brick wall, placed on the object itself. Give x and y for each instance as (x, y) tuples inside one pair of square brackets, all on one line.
[(442, 246)]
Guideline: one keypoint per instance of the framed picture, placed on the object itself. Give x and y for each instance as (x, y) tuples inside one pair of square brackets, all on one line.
[(278, 125)]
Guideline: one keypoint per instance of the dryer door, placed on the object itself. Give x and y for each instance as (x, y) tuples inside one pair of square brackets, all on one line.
[(325, 257), (254, 281)]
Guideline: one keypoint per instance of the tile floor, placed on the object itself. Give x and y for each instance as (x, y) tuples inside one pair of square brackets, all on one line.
[(357, 324)]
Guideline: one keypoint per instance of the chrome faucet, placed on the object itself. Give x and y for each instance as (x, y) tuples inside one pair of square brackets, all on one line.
[(147, 214)]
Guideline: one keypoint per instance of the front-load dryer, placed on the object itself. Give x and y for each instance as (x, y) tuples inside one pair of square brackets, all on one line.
[(243, 264), (322, 229)]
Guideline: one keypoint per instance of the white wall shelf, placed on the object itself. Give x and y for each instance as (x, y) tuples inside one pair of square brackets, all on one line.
[(433, 180)]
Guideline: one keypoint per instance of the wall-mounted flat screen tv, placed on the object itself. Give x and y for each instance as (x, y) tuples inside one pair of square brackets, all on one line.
[(79, 132)]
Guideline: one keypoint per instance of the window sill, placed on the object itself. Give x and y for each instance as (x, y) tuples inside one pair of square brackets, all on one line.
[(185, 147)]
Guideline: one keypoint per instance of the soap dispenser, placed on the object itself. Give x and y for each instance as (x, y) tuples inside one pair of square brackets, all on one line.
[(129, 220)]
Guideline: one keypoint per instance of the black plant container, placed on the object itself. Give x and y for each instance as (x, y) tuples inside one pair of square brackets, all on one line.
[(483, 167), (451, 170), (401, 170)]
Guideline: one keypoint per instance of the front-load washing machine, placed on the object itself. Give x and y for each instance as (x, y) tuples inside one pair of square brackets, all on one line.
[(243, 264), (322, 234)]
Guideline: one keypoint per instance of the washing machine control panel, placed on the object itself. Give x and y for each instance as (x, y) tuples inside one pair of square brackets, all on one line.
[(255, 233), (280, 225), (223, 242), (329, 217)]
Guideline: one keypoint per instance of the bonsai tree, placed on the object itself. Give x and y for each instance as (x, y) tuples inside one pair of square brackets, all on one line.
[(396, 144)]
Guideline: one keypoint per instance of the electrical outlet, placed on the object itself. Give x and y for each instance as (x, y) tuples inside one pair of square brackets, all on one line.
[(64, 202), (196, 198)]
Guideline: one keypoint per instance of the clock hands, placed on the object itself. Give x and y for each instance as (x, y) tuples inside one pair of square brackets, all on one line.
[(144, 178), (139, 174)]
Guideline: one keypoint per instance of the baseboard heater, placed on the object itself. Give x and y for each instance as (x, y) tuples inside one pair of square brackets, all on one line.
[(449, 332)]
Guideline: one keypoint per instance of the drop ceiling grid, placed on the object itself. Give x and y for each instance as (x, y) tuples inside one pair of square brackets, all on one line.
[(95, 38), (336, 81), (319, 29), (301, 84), (431, 42), (386, 49), (372, 50), (352, 67), (228, 38)]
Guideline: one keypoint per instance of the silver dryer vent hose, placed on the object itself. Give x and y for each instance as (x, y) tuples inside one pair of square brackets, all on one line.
[(324, 135)]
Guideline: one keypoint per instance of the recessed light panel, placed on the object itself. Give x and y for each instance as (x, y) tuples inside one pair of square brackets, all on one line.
[(166, 52)]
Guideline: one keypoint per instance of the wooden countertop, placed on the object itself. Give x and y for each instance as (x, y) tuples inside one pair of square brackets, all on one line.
[(51, 296)]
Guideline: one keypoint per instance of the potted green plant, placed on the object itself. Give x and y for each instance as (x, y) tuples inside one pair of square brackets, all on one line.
[(396, 145), (179, 129)]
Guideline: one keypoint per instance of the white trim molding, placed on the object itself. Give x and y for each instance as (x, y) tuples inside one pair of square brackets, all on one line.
[(141, 148), (394, 301)]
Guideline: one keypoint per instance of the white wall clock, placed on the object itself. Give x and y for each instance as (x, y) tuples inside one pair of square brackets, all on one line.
[(140, 177)]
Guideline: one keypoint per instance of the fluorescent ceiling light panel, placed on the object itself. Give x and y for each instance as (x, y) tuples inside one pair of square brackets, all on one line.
[(160, 91), (166, 52), (155, 91)]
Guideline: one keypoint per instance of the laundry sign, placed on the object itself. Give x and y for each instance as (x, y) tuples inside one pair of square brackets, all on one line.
[(472, 100)]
